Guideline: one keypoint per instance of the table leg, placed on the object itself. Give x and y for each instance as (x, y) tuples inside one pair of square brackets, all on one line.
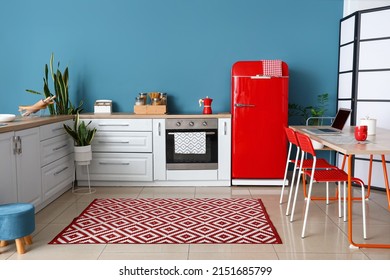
[(386, 180), (350, 200)]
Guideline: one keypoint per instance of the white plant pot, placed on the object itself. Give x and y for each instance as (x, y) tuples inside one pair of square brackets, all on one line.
[(83, 154)]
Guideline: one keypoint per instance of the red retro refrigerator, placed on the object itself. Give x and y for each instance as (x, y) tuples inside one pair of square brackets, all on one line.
[(259, 115)]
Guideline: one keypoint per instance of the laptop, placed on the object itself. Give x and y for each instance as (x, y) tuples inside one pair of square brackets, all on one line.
[(337, 124)]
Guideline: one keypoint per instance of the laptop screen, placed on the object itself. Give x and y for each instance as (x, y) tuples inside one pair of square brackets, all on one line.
[(341, 118)]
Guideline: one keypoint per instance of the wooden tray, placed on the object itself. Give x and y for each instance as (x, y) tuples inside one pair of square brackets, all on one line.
[(150, 109)]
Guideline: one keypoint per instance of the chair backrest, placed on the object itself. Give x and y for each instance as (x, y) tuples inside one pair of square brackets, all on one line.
[(305, 144), (291, 136)]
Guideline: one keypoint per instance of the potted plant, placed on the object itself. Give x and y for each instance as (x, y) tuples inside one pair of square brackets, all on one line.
[(62, 104), (82, 136), (314, 112)]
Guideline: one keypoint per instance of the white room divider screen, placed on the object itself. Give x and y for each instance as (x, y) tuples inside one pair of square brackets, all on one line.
[(364, 76)]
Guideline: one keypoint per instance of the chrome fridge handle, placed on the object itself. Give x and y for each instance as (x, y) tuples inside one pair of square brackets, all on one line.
[(239, 105)]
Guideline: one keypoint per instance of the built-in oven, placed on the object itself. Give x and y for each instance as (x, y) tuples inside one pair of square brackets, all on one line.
[(191, 144)]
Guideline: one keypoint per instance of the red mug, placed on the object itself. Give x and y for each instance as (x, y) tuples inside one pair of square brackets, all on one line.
[(361, 132)]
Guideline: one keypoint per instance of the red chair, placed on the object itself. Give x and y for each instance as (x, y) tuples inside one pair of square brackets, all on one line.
[(335, 175), (307, 163)]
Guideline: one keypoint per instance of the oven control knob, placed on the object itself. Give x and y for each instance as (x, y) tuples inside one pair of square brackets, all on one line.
[(204, 123), (178, 124), (191, 124)]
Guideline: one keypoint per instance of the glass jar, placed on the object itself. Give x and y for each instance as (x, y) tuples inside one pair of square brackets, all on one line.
[(139, 101), (163, 97), (156, 101), (143, 96)]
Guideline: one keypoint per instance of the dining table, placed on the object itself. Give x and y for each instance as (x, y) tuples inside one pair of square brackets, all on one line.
[(345, 143)]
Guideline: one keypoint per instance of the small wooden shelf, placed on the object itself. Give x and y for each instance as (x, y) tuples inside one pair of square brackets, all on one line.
[(150, 109)]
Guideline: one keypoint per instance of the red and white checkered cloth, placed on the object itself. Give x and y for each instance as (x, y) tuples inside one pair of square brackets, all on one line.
[(272, 68)]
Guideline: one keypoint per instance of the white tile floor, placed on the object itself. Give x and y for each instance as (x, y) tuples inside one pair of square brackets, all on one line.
[(326, 233)]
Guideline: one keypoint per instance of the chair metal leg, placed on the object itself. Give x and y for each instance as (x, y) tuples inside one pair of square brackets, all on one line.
[(297, 188), (285, 173), (364, 213), (339, 197), (292, 183), (307, 205), (345, 202), (327, 193)]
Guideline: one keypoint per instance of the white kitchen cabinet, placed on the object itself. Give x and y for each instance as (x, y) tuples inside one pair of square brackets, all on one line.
[(118, 167), (122, 152), (122, 141), (8, 185), (159, 154), (224, 149), (57, 177), (27, 158), (57, 163), (28, 175)]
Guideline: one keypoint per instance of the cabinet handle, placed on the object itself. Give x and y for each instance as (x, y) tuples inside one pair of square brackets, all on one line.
[(56, 129), (60, 147), (113, 124), (60, 171), (159, 129), (19, 145), (113, 142), (113, 163), (225, 128), (15, 142)]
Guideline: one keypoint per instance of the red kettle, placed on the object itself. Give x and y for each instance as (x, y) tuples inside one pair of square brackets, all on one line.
[(207, 105)]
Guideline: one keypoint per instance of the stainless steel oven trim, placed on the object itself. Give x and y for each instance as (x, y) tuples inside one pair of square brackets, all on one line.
[(192, 166), (207, 133), (197, 124)]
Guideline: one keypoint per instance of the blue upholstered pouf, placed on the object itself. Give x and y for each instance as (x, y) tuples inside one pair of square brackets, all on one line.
[(17, 220)]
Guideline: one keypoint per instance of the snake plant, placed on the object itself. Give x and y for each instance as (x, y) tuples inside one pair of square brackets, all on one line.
[(62, 104), (81, 133)]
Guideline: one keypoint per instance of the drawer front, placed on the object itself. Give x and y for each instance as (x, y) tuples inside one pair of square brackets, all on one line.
[(118, 167), (130, 142), (121, 124), (54, 129), (55, 148), (57, 175)]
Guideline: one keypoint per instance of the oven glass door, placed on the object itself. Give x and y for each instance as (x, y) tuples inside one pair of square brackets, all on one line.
[(192, 149)]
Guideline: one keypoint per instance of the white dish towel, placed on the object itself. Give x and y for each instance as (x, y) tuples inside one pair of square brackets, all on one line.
[(190, 142)]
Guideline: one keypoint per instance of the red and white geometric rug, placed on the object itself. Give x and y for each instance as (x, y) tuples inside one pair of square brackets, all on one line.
[(172, 220)]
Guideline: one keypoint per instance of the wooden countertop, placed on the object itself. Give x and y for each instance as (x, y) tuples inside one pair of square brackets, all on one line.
[(140, 116), (21, 123)]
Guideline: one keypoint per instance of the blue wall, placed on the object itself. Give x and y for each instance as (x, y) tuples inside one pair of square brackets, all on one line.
[(118, 48)]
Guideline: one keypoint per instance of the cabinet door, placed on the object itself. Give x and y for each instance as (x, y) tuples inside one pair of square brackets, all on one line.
[(224, 149), (57, 176), (28, 166), (55, 148), (117, 167), (120, 141), (120, 124), (53, 129), (8, 187), (159, 155)]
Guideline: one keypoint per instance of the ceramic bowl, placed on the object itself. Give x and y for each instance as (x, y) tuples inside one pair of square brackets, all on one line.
[(7, 117), (317, 145)]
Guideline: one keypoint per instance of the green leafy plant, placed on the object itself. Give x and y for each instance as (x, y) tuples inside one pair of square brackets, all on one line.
[(62, 104), (316, 111), (81, 133)]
